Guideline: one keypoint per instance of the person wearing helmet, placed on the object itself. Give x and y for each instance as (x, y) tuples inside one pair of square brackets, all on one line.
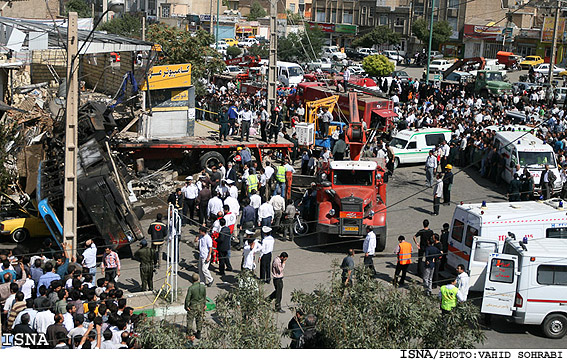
[(447, 184)]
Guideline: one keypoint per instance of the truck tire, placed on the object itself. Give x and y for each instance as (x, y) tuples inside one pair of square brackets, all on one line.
[(211, 158), (555, 326)]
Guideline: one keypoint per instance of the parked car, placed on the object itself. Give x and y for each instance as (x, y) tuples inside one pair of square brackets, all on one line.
[(560, 94), (354, 54), (231, 42), (393, 55), (21, 223), (333, 52), (563, 75), (323, 64), (248, 42), (440, 65), (356, 70), (544, 68), (401, 74), (436, 54), (367, 51), (531, 61), (522, 86)]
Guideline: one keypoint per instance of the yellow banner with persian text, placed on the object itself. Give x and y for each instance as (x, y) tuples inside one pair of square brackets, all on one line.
[(168, 76)]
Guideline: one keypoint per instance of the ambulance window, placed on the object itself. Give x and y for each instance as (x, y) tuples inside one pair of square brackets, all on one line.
[(483, 250), (556, 233), (470, 233), (552, 274), (412, 145), (434, 139), (502, 271), (457, 232)]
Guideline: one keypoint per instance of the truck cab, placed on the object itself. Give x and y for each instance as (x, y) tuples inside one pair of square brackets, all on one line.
[(350, 196), (491, 83)]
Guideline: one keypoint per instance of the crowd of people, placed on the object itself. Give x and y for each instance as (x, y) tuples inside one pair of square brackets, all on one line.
[(60, 299)]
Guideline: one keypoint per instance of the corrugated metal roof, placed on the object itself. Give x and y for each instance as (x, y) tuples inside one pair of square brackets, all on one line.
[(98, 42)]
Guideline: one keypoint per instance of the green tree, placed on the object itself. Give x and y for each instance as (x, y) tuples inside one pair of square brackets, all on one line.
[(301, 47), (233, 51), (261, 51), (154, 334), (80, 7), (125, 25), (372, 314), (180, 46), (380, 35), (257, 11), (294, 18), (441, 32), (377, 65), (245, 319)]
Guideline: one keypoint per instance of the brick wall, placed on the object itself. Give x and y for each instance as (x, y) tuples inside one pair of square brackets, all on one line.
[(41, 59), (31, 9)]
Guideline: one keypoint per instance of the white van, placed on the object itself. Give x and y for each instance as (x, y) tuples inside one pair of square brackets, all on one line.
[(531, 219), (527, 283), (520, 147), (413, 146), (289, 74), (333, 52)]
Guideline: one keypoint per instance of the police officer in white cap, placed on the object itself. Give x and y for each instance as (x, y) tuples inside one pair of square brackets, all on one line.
[(251, 246), (232, 189), (266, 255), (190, 192)]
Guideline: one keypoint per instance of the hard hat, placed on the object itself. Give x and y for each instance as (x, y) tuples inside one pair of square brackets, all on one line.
[(239, 148), (238, 158), (449, 167)]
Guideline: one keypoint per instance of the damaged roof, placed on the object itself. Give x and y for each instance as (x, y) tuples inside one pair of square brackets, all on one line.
[(23, 34)]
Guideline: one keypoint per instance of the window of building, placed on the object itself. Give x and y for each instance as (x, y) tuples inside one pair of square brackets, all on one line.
[(364, 16), (165, 10), (292, 8), (347, 17), (334, 16), (453, 4), (418, 9), (320, 16), (383, 19), (454, 22), (399, 22), (552, 274)]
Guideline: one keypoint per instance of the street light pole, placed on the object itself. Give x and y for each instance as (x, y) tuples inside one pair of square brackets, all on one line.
[(430, 40), (217, 30), (553, 52)]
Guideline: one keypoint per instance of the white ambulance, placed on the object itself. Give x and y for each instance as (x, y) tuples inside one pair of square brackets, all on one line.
[(413, 145), (520, 147), (527, 283), (532, 219)]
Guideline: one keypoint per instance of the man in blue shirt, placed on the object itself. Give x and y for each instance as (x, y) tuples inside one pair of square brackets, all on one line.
[(232, 115), (61, 263), (7, 269), (48, 277)]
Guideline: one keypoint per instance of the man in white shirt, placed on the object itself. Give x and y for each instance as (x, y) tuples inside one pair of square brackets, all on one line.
[(89, 257), (214, 206), (278, 204), (255, 202), (437, 194), (250, 248), (265, 215), (430, 167), (246, 115), (205, 250), (463, 283), (232, 190), (369, 248), (190, 192), (44, 319), (27, 287), (445, 150), (266, 255)]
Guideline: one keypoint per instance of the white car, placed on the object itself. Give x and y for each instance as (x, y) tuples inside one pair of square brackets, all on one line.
[(333, 52), (233, 70), (393, 55), (436, 54), (356, 70), (544, 68), (367, 51), (439, 65), (248, 42)]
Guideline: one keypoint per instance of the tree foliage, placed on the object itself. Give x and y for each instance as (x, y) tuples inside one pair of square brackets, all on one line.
[(125, 25), (377, 65), (257, 11), (441, 32), (301, 47), (153, 334), (373, 315), (81, 7), (180, 46), (261, 51), (380, 35), (245, 319), (233, 51)]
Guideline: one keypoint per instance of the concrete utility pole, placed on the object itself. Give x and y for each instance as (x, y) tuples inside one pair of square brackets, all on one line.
[(211, 19), (273, 58), (553, 52), (71, 139), (144, 27), (430, 40)]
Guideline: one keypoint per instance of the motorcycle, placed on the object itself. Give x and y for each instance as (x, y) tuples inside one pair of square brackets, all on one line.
[(300, 227)]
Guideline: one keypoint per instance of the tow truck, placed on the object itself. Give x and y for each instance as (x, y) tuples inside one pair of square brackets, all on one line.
[(487, 82), (351, 194)]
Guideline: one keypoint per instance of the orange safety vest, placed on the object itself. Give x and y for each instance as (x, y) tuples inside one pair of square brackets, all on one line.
[(404, 256)]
